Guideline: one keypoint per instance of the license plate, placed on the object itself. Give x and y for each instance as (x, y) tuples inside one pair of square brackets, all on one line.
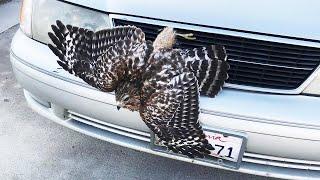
[(228, 146)]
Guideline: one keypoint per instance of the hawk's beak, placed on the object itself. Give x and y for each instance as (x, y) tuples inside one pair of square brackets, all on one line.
[(119, 105)]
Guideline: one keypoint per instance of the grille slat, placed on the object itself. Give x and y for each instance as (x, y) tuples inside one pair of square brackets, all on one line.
[(255, 63), (244, 55), (258, 49), (256, 72), (263, 58), (278, 70), (289, 64)]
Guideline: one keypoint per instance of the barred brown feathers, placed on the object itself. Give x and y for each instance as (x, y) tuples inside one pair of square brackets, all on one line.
[(172, 114), (162, 83), (210, 67), (100, 58)]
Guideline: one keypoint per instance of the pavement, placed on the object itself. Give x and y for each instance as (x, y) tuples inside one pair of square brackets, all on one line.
[(9, 14), (33, 147)]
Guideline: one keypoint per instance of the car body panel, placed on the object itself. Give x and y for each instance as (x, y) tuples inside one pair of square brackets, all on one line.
[(249, 165), (287, 17), (231, 109)]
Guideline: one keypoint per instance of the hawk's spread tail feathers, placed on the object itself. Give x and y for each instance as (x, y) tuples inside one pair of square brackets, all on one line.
[(172, 114), (210, 67)]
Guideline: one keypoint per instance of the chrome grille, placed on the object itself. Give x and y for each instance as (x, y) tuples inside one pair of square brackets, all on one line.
[(255, 63)]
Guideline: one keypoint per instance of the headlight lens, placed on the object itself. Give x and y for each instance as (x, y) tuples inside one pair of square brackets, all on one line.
[(47, 12), (314, 87), (26, 17)]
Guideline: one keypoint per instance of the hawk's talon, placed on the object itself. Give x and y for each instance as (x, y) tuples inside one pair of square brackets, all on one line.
[(188, 36)]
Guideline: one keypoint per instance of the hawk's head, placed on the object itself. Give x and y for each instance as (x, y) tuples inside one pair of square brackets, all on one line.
[(128, 95)]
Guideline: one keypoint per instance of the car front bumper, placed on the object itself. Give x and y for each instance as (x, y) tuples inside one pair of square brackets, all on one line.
[(283, 131)]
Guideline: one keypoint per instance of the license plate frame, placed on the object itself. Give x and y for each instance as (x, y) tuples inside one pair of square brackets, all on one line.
[(220, 161)]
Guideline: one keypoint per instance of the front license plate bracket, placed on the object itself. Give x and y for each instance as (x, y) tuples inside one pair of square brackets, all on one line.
[(218, 160)]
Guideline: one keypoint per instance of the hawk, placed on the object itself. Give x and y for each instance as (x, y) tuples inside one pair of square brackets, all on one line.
[(162, 83)]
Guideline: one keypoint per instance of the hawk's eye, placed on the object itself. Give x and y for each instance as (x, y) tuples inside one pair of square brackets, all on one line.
[(125, 98)]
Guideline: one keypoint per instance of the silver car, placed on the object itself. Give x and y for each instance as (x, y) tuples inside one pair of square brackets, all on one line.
[(265, 121)]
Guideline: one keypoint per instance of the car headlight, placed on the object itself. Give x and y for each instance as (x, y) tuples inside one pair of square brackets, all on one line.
[(47, 12), (26, 17), (314, 87)]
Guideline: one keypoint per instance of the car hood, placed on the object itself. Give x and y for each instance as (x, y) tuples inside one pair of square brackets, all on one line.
[(293, 18)]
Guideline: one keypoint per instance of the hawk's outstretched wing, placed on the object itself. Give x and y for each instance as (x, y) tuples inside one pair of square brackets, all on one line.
[(96, 57), (172, 114), (210, 66), (75, 40)]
